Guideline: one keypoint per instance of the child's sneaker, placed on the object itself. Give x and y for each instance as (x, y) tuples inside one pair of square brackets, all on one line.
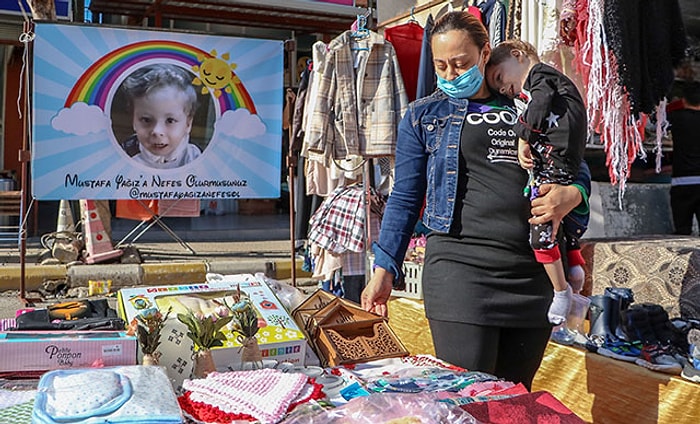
[(691, 373), (656, 358), (694, 337), (619, 349)]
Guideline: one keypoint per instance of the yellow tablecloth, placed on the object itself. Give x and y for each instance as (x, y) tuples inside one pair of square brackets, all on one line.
[(604, 390), (596, 388)]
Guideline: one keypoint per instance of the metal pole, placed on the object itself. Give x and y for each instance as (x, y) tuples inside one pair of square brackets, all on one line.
[(289, 48), (24, 157), (367, 186)]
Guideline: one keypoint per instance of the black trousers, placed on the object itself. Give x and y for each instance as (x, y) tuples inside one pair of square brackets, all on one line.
[(513, 354), (685, 204)]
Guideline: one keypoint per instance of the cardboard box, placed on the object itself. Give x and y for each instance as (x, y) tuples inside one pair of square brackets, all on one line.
[(280, 339), (50, 350)]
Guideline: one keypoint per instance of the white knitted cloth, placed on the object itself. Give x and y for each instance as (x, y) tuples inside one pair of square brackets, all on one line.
[(264, 394)]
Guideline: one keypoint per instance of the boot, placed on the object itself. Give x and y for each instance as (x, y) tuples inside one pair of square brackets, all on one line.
[(637, 325), (660, 323), (622, 298), (599, 313)]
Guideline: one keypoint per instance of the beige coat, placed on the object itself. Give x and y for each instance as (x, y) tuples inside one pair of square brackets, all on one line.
[(361, 99)]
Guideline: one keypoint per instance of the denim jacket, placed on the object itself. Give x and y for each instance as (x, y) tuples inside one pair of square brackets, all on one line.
[(427, 162)]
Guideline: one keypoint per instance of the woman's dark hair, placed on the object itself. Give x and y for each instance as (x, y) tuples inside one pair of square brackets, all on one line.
[(502, 51), (462, 21)]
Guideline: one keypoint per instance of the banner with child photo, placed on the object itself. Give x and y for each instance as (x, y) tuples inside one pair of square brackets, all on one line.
[(150, 114)]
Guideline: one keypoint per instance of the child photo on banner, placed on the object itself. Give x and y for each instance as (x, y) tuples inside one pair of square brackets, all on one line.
[(145, 114)]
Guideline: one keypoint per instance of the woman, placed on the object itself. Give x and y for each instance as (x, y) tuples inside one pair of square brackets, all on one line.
[(486, 298)]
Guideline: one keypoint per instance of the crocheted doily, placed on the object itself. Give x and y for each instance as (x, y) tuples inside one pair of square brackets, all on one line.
[(263, 394)]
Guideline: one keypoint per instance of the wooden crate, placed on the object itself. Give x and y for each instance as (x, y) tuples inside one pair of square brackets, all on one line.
[(413, 273)]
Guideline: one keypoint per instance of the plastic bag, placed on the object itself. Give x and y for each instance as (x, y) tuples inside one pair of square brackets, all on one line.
[(385, 408), (290, 296)]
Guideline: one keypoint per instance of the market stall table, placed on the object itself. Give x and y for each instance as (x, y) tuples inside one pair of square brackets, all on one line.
[(596, 388), (605, 390)]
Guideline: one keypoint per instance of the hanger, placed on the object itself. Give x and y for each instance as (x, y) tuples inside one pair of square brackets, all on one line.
[(361, 30), (413, 19)]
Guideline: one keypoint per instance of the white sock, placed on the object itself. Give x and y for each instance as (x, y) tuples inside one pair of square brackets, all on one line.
[(559, 308)]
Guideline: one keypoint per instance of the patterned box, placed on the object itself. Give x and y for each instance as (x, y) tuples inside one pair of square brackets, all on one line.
[(341, 332), (49, 350)]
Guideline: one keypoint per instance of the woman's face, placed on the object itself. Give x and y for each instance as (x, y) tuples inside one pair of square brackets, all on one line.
[(454, 53), (161, 121)]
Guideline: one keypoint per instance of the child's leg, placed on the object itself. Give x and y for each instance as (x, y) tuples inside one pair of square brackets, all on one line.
[(575, 260), (577, 277), (559, 309), (547, 252), (555, 272)]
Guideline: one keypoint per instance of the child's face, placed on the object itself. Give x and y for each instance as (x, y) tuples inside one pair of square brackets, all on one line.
[(508, 76), (160, 120)]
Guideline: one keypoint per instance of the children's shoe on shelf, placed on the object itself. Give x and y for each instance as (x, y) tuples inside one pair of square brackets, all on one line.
[(659, 323), (636, 325), (621, 350), (690, 372), (562, 335), (694, 337), (620, 298), (656, 358)]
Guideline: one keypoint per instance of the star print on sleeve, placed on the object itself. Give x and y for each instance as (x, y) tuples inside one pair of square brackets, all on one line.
[(553, 120)]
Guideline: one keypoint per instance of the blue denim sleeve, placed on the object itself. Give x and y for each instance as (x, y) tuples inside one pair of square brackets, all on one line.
[(406, 199)]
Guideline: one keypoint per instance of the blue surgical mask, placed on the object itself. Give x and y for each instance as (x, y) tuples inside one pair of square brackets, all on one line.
[(464, 86)]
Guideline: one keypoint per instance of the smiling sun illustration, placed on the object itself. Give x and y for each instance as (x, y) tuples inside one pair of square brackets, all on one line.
[(214, 73)]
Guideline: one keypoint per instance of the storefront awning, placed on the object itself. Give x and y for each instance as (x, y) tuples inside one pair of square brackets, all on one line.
[(297, 15)]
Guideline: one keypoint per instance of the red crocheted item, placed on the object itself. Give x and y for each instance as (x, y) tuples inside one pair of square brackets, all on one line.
[(203, 412), (316, 394)]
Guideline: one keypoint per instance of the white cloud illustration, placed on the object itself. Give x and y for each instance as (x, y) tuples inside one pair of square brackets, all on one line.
[(81, 119), (240, 123)]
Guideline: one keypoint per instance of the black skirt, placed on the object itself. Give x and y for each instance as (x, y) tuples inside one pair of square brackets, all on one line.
[(484, 282)]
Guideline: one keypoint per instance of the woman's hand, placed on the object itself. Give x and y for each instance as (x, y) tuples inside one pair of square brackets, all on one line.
[(377, 292), (554, 202)]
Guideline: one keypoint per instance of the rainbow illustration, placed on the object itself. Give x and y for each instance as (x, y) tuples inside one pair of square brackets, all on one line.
[(95, 84)]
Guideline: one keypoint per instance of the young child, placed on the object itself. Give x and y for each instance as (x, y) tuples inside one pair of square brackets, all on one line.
[(163, 101), (552, 127)]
